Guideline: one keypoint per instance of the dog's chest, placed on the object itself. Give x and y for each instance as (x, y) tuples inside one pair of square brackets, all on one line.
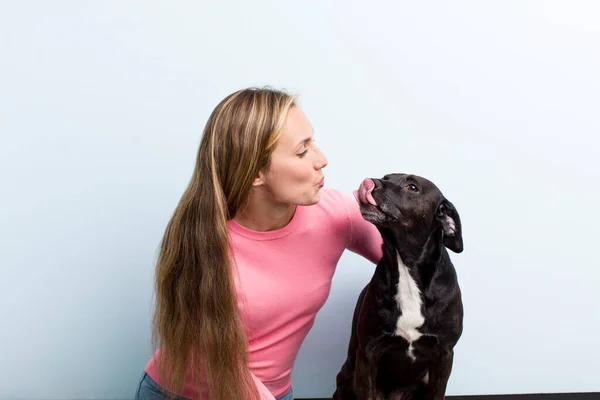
[(409, 302)]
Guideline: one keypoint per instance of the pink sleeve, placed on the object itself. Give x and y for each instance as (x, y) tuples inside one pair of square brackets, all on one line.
[(364, 239)]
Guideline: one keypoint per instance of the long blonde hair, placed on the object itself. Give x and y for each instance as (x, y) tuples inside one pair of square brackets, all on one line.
[(197, 327)]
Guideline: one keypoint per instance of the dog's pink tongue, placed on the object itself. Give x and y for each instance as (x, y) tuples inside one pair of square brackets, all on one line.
[(363, 194)]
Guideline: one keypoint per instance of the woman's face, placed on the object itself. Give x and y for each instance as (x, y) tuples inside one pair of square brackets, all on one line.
[(295, 174)]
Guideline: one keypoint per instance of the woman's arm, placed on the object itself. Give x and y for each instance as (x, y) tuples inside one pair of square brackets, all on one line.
[(365, 239)]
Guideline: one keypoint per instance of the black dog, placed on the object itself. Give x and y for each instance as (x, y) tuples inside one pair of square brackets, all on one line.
[(409, 316)]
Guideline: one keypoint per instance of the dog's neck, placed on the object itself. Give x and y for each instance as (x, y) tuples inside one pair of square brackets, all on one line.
[(421, 258)]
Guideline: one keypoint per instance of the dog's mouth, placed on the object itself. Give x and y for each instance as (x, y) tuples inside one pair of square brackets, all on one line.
[(372, 210), (364, 194)]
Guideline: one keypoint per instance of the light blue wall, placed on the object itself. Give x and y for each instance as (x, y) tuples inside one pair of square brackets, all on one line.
[(101, 109)]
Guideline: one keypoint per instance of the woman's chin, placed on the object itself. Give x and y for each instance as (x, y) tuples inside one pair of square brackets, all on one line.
[(314, 200), (305, 199)]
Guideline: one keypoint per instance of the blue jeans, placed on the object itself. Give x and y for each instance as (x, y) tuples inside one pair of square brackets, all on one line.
[(288, 396), (148, 389)]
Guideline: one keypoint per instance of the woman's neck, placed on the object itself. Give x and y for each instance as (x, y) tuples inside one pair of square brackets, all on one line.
[(261, 214)]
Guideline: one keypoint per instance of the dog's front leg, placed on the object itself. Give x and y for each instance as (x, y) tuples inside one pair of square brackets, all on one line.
[(439, 372), (365, 374), (344, 382)]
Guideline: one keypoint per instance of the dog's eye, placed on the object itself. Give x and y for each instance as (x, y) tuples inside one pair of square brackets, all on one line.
[(413, 188)]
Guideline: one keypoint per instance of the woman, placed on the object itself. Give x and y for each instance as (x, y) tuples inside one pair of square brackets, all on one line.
[(248, 256)]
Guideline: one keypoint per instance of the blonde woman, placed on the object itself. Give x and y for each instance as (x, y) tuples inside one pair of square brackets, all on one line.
[(247, 258)]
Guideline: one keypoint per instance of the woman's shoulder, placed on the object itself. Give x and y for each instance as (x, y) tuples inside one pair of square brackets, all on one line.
[(335, 202), (331, 195)]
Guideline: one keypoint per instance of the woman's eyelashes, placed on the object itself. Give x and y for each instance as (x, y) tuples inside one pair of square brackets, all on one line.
[(309, 144)]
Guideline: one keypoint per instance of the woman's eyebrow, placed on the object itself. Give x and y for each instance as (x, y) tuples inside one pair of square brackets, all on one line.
[(304, 141)]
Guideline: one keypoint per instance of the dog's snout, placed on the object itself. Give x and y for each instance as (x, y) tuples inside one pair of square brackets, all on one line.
[(364, 193)]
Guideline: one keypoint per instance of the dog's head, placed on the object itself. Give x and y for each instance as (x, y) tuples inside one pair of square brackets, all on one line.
[(412, 207)]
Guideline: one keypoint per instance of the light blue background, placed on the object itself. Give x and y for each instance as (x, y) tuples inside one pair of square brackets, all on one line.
[(101, 109)]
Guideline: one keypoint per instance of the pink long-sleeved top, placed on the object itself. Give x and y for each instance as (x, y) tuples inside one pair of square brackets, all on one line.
[(283, 278)]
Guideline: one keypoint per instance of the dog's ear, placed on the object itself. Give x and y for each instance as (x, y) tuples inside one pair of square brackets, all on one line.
[(448, 217)]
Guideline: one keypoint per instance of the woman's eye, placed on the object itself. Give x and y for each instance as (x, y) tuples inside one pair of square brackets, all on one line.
[(303, 153), (413, 188)]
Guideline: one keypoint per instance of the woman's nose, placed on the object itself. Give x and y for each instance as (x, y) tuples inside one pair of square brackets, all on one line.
[(321, 161)]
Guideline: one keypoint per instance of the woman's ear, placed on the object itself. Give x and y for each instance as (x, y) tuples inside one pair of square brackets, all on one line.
[(259, 180)]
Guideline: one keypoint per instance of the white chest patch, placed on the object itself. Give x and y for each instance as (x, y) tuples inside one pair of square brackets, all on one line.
[(409, 302)]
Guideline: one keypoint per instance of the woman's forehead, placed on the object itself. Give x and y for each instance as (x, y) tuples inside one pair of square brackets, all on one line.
[(297, 129)]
